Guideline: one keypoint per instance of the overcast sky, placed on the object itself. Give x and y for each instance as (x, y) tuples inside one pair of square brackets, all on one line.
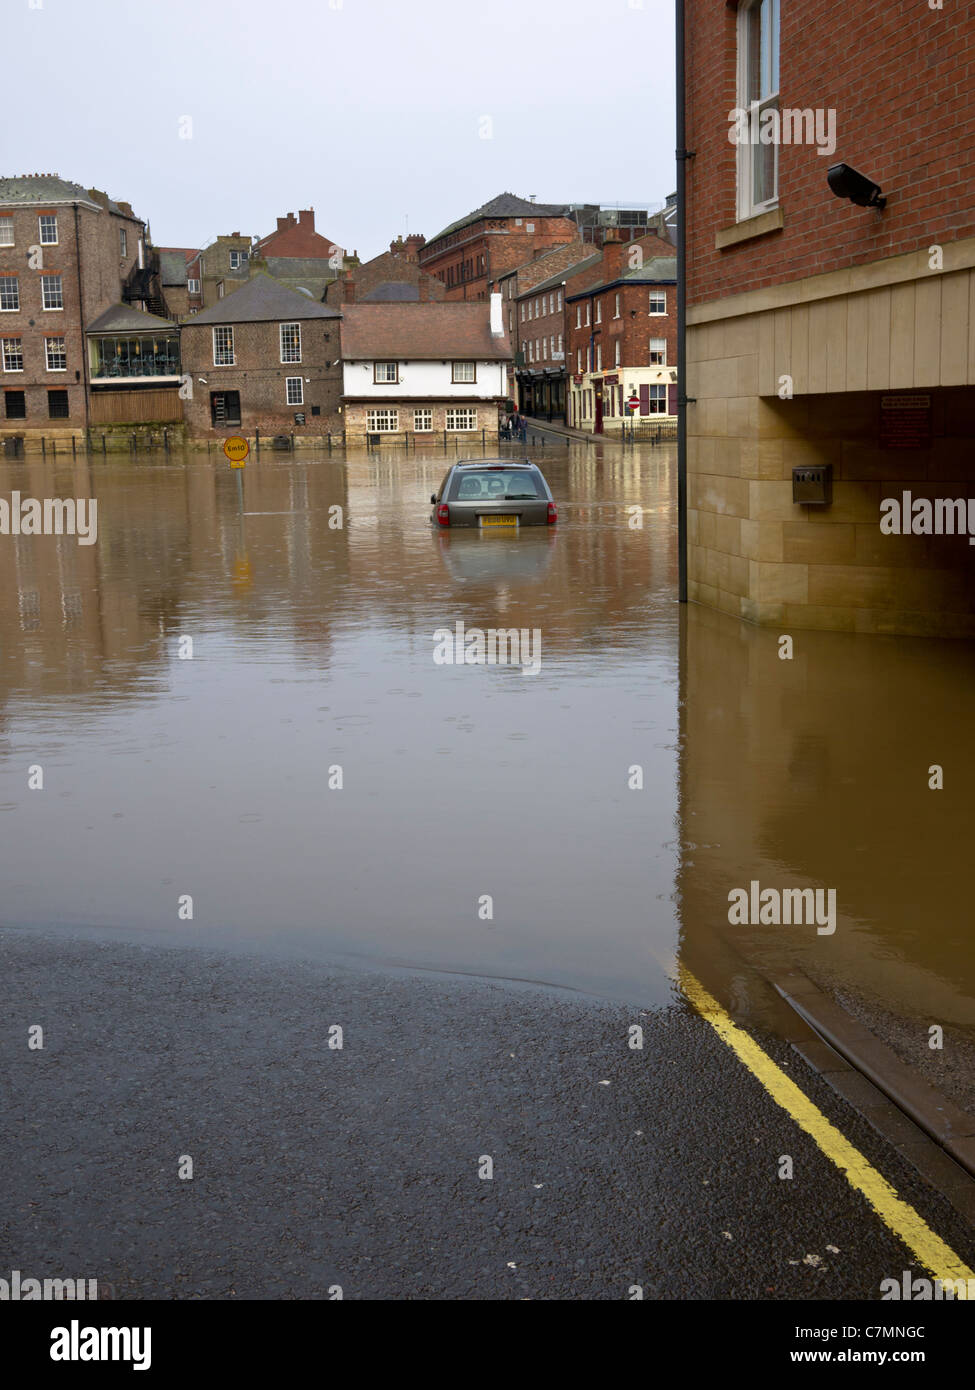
[(371, 111)]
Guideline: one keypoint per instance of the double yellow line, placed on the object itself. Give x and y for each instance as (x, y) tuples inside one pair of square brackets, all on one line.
[(899, 1216)]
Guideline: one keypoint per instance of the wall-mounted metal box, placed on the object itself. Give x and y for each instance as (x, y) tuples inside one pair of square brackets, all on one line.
[(813, 485)]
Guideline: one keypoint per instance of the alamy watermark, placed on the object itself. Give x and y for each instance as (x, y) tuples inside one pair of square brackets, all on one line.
[(21, 1288), (791, 126), (915, 1288), (926, 516), (50, 516), (492, 646), (755, 906)]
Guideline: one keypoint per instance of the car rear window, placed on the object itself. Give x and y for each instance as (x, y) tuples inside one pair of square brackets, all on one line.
[(495, 484)]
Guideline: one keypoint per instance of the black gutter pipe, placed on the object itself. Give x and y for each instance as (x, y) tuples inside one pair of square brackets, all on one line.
[(683, 155)]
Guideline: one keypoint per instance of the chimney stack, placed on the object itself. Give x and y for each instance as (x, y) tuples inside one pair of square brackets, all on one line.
[(614, 253), (306, 219), (348, 290)]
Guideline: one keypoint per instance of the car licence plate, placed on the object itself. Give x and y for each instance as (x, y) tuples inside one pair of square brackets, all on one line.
[(498, 520)]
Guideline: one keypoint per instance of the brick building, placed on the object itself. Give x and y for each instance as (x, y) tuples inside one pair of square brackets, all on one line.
[(824, 334), (224, 267), (265, 358), (549, 267), (295, 238), (393, 276), (621, 335), (495, 238), (66, 255), (423, 368), (179, 280)]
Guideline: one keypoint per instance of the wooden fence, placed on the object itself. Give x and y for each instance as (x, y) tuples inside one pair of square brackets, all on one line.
[(136, 407)]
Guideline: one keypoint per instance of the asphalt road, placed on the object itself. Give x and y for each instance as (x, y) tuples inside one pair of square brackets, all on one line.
[(359, 1167)]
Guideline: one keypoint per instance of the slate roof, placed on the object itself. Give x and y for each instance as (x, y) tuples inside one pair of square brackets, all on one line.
[(122, 318), (262, 300), (34, 190), (504, 205), (299, 268), (393, 291), (555, 280), (660, 270), (421, 331)]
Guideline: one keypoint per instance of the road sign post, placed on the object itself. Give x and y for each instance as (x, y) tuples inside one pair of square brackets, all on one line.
[(236, 448)]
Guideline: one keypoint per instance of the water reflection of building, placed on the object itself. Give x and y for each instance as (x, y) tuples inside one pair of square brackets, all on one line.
[(100, 621), (793, 774)]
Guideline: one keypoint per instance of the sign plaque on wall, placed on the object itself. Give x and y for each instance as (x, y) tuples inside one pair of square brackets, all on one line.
[(905, 421)]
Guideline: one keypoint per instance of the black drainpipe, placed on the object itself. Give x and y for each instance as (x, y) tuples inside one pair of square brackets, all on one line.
[(81, 318), (683, 400)]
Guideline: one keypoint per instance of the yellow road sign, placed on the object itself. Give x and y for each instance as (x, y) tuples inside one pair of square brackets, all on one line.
[(236, 448)]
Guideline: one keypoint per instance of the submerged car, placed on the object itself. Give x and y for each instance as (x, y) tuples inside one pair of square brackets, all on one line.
[(494, 494)]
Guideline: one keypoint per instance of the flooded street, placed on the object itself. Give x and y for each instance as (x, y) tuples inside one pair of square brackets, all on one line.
[(312, 649)]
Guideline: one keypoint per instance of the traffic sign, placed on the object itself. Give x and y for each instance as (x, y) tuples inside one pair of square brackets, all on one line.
[(632, 402), (236, 448)]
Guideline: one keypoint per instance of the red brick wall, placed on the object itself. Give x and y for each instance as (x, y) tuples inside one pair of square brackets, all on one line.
[(486, 256), (259, 375), (900, 78), (103, 272), (297, 237), (633, 329)]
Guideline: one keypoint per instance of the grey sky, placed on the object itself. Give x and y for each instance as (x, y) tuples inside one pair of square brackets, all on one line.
[(371, 111)]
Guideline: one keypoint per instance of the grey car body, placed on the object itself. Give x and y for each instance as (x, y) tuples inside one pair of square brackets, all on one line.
[(495, 494)]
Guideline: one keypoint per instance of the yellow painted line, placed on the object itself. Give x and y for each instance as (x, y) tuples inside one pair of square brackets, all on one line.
[(897, 1215)]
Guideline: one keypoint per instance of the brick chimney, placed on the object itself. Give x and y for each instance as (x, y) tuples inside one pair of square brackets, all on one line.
[(413, 243), (614, 254), (348, 290), (306, 219)]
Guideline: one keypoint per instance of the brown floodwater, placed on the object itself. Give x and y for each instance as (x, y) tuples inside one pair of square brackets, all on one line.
[(313, 648)]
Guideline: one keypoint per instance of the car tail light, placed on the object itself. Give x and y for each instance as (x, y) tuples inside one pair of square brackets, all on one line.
[(443, 514), (553, 514)]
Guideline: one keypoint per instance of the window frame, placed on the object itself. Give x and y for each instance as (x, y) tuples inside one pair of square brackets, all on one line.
[(55, 338), (289, 382), (390, 415), (52, 308), (6, 280), (224, 328), (43, 217), (427, 413), (745, 151), (378, 380), (654, 295), (281, 327), (12, 371), (469, 411), (456, 380)]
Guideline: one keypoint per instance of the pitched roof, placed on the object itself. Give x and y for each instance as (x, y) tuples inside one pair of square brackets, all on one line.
[(562, 275), (421, 331), (392, 291), (262, 300), (504, 205), (32, 190), (122, 318), (660, 270)]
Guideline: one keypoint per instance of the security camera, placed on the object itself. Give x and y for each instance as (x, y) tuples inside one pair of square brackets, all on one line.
[(847, 182)]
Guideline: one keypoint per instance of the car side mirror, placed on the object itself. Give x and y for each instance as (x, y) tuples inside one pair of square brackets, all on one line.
[(433, 498)]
